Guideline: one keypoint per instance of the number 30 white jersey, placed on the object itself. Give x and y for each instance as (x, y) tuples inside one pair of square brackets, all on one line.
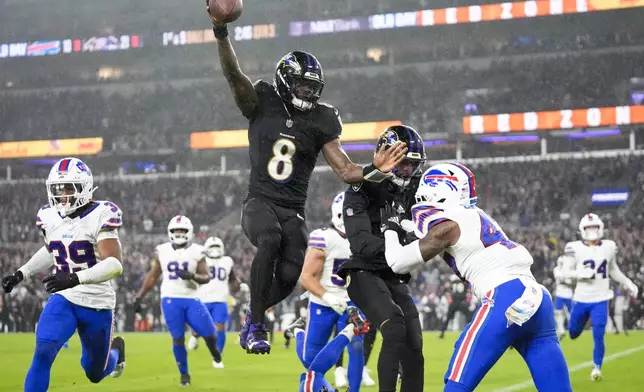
[(173, 260), (483, 255), (73, 246), (337, 252), (601, 259), (217, 289)]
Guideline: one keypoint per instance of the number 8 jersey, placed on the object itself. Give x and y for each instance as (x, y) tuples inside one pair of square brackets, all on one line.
[(172, 260), (337, 251), (601, 259), (483, 254), (72, 243)]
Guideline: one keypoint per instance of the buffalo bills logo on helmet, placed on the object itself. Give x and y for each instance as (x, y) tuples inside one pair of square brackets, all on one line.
[(435, 177), (83, 167), (339, 198)]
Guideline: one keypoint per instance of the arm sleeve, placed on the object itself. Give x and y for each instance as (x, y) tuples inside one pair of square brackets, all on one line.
[(358, 226), (317, 239), (107, 269), (425, 217), (40, 261), (569, 265), (402, 259), (110, 220), (332, 124)]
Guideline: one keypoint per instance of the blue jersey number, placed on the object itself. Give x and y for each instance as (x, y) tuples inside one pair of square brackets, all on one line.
[(218, 273), (335, 279), (174, 268), (491, 234), (79, 252), (601, 270)]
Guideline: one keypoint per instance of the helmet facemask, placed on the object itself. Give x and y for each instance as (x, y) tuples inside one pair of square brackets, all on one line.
[(66, 197), (406, 170), (592, 233), (179, 236), (215, 251)]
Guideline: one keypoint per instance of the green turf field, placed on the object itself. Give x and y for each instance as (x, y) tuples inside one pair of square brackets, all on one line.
[(151, 367)]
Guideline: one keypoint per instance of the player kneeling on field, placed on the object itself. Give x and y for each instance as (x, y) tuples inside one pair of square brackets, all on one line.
[(81, 239)]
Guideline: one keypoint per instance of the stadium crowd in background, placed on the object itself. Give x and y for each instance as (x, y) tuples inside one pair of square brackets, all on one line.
[(550, 197)]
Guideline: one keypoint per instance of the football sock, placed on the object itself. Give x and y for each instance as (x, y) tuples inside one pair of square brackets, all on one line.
[(299, 344), (181, 356), (261, 274), (329, 354), (211, 343), (356, 363), (221, 341), (599, 348)]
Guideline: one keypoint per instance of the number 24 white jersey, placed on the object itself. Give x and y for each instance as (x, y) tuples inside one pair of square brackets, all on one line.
[(337, 252), (172, 260), (217, 289), (601, 259)]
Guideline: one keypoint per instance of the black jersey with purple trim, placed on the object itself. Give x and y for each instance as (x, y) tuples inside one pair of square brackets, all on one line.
[(284, 145)]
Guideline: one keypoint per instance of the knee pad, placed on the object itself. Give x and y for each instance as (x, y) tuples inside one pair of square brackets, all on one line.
[(394, 330), (179, 342), (269, 241), (46, 351)]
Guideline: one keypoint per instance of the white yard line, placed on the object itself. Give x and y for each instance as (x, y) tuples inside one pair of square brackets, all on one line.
[(576, 368)]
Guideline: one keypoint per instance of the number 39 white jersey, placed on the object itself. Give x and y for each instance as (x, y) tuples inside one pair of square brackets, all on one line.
[(173, 260), (601, 259), (337, 252), (73, 246), (483, 254), (217, 289)]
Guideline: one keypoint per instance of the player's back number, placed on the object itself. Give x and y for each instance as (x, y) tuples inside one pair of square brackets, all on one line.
[(280, 166)]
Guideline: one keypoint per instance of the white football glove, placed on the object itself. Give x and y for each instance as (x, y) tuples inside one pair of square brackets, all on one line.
[(337, 304), (632, 289), (243, 287)]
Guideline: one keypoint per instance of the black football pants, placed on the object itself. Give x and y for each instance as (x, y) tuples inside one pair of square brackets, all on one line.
[(387, 303), (281, 237)]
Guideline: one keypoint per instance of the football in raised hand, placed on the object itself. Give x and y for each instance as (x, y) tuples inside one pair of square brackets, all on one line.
[(225, 11)]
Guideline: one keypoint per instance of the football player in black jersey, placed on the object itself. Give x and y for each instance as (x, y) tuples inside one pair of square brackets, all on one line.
[(288, 128), (458, 303), (384, 296)]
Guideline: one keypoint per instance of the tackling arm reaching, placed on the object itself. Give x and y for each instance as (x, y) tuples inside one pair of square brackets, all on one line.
[(384, 161)]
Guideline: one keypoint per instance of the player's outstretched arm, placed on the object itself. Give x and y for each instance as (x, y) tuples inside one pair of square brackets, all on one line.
[(351, 173), (40, 261), (244, 93), (402, 259), (616, 274), (149, 282)]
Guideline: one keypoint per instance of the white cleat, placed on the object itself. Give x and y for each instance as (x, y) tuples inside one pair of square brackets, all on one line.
[(596, 375), (118, 344), (118, 370), (193, 343), (340, 378), (218, 365), (367, 381)]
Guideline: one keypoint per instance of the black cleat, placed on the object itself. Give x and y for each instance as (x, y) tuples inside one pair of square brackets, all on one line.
[(289, 332), (185, 380), (360, 325), (119, 344)]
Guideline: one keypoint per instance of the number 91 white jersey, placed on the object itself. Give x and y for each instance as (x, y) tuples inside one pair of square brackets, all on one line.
[(601, 259), (217, 289), (337, 251), (173, 260)]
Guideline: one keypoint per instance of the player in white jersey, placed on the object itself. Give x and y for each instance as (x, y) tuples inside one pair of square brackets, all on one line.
[(327, 250), (183, 266), (215, 293), (81, 240), (592, 261), (515, 310), (563, 295)]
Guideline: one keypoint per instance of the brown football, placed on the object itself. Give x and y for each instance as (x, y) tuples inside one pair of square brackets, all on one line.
[(225, 11)]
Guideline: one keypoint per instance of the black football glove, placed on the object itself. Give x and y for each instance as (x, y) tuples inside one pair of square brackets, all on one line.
[(137, 305), (60, 281), (11, 281), (390, 220), (185, 274)]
